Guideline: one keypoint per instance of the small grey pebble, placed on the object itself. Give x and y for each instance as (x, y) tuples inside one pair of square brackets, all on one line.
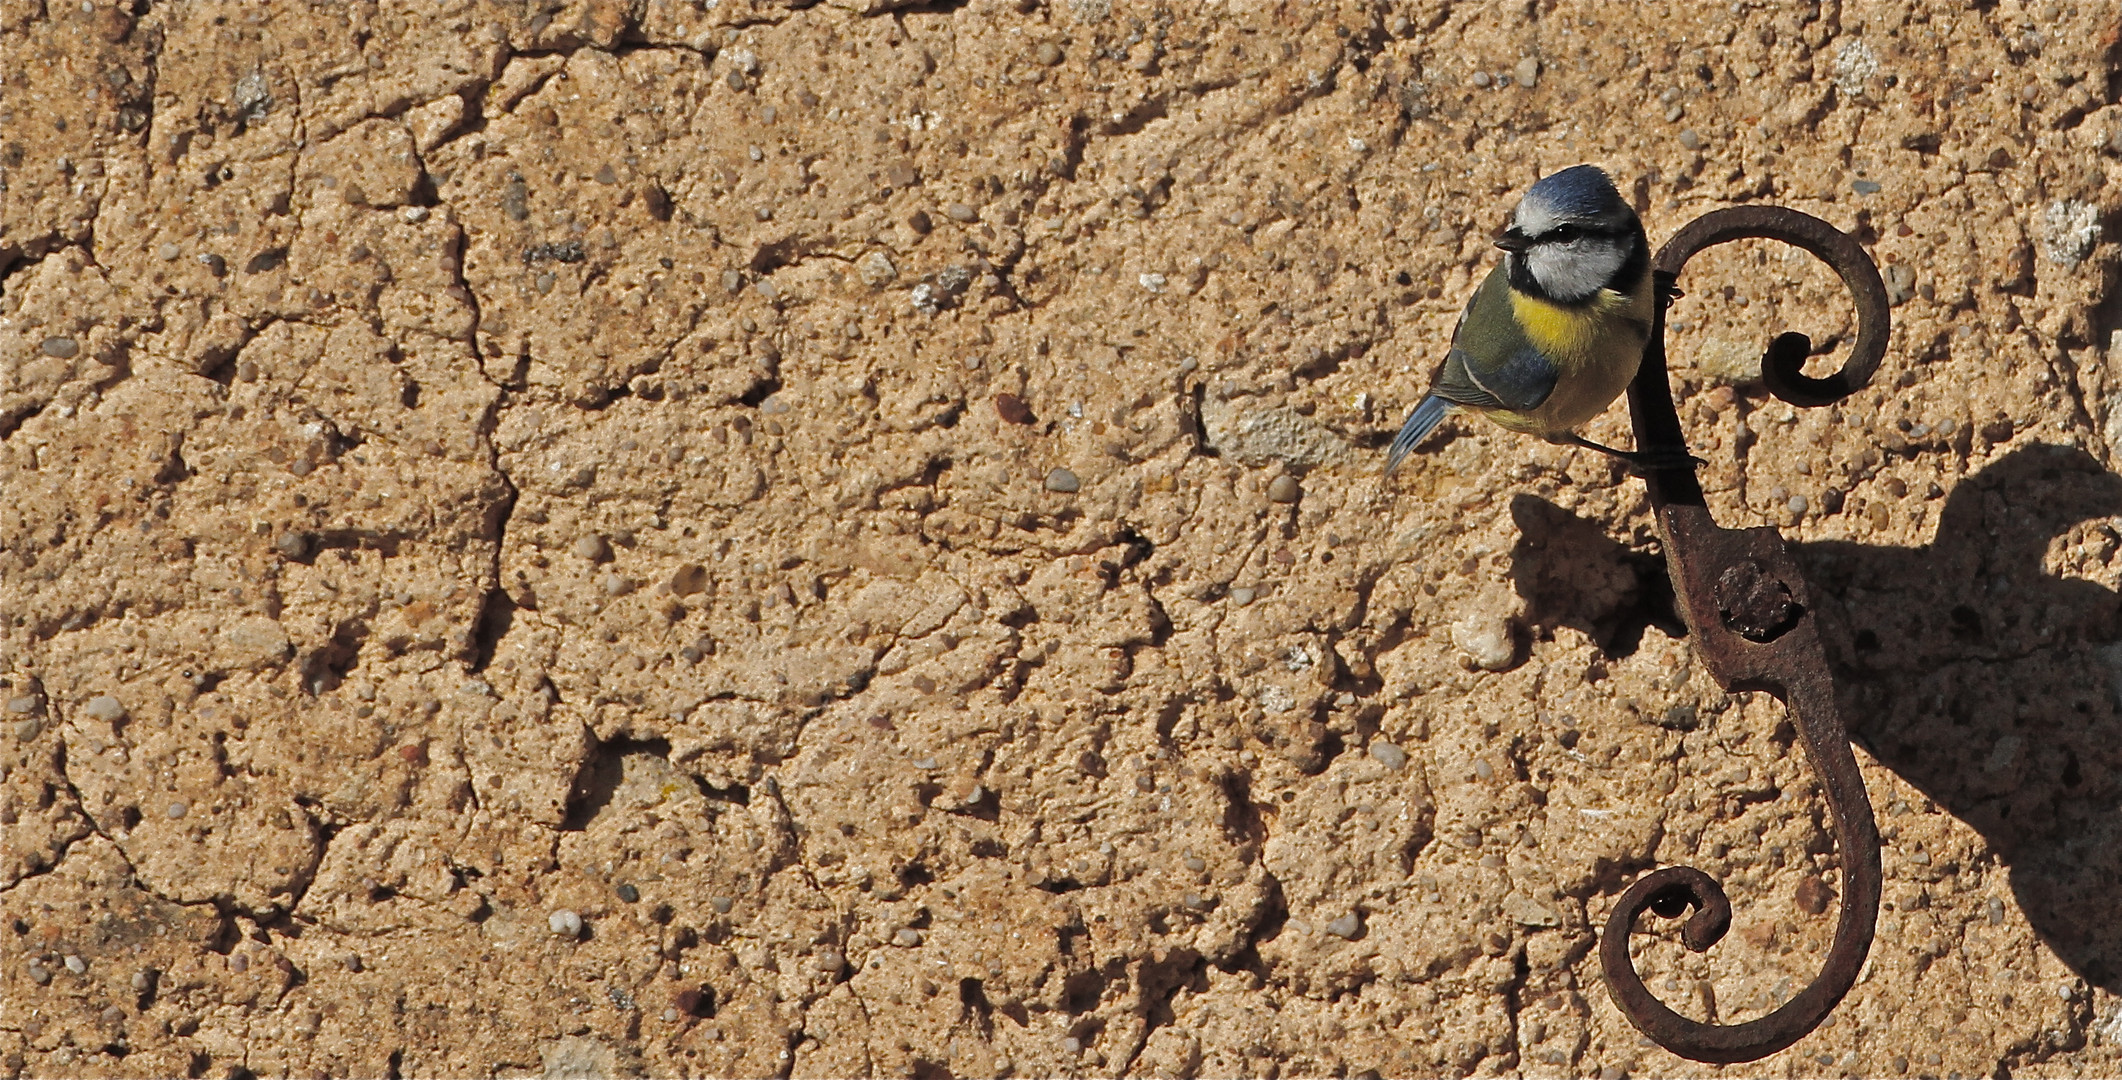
[(1388, 755), (732, 281), (38, 973), (76, 965), (1866, 187), (26, 730), (353, 963), (178, 810), (670, 1016), (24, 705), (721, 904), (1244, 594), (1347, 926), (105, 708), (962, 213), (1063, 480), (1050, 54), (1528, 72), (169, 252), (628, 893), (616, 585), (1482, 79), (593, 547), (907, 937), (1673, 115), (62, 347), (292, 546), (1689, 139), (1283, 489), (564, 923), (413, 215), (764, 213), (1796, 505), (239, 963), (144, 978)]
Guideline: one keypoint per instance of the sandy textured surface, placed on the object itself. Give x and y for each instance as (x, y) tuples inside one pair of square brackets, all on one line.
[(599, 538)]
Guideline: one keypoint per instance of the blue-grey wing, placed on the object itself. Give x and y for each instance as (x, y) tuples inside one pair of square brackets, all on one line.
[(1491, 364), (1519, 381)]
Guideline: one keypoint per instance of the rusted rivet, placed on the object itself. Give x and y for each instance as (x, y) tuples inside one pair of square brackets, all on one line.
[(1754, 604)]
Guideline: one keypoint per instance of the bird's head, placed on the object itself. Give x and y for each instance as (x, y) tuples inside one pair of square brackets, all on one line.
[(1572, 234)]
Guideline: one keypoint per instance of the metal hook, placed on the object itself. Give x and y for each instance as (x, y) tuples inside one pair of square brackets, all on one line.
[(1747, 607)]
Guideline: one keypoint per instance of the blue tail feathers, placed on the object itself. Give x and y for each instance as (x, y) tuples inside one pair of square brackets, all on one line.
[(1420, 423)]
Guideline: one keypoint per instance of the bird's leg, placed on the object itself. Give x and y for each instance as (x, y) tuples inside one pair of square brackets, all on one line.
[(1640, 460)]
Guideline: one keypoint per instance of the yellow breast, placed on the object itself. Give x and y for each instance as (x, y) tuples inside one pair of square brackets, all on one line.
[(1567, 335)]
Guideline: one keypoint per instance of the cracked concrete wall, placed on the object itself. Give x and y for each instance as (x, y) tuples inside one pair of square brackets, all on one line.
[(613, 538)]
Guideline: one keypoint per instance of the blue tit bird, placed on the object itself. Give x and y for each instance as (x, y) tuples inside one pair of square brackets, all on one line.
[(1555, 333)]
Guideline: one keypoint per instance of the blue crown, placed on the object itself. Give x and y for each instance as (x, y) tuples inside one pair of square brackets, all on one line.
[(1578, 191)]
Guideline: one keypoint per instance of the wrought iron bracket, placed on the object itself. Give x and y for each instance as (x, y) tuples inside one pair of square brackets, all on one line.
[(1751, 617)]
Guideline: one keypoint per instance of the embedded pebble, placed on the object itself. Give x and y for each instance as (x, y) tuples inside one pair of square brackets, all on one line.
[(1796, 505), (144, 978), (1689, 139), (1528, 72), (170, 252), (62, 347), (907, 937), (1347, 926), (564, 923), (1866, 187), (292, 546), (593, 547), (178, 810), (1012, 409), (876, 269), (1049, 53), (1388, 755), (239, 963), (38, 973), (961, 213), (1485, 640), (414, 215), (1283, 489), (24, 705), (353, 963), (617, 585), (628, 893), (721, 904), (105, 708), (1062, 480), (1244, 594), (26, 730), (76, 965), (1482, 79)]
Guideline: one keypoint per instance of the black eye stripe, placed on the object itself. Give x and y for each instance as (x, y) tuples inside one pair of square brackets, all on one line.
[(1562, 234)]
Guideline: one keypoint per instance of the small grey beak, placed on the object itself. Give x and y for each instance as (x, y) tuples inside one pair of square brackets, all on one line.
[(1513, 240)]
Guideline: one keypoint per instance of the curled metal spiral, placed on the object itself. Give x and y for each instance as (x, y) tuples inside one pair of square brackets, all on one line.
[(1748, 610)]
